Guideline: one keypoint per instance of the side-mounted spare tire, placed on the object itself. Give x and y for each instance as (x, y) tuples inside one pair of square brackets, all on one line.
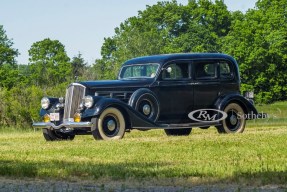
[(145, 101)]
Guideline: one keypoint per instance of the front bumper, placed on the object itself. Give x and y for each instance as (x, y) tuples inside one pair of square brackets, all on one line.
[(63, 125)]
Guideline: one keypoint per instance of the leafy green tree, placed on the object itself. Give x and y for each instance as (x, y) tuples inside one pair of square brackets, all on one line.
[(258, 40), (166, 27), (7, 52), (8, 67), (49, 63), (213, 16), (78, 64), (8, 76)]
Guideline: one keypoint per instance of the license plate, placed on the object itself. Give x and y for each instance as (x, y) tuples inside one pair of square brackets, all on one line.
[(55, 116)]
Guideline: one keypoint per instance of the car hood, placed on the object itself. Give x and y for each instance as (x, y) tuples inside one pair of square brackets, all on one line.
[(117, 83)]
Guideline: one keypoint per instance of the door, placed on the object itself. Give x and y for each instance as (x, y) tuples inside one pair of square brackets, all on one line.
[(206, 83), (175, 92)]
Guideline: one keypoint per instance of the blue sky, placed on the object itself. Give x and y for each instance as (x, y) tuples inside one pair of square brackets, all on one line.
[(80, 25)]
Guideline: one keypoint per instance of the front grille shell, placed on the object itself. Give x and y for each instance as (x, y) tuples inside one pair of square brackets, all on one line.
[(74, 96)]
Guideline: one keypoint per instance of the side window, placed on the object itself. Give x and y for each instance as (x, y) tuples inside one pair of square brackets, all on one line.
[(151, 70), (127, 72), (226, 71), (205, 70), (176, 71)]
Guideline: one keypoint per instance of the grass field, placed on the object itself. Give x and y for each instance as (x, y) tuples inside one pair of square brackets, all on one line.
[(256, 157)]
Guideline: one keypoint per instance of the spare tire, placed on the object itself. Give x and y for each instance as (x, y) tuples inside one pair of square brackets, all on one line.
[(145, 102)]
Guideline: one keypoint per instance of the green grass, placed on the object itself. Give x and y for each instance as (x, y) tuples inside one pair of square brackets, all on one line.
[(258, 156), (277, 115)]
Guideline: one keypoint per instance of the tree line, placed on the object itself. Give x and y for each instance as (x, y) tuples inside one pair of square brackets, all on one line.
[(257, 39)]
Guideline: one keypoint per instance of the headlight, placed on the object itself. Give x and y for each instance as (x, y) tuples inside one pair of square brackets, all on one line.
[(88, 101), (45, 102)]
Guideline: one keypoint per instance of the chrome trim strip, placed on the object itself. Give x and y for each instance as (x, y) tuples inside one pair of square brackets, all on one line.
[(63, 125), (71, 102)]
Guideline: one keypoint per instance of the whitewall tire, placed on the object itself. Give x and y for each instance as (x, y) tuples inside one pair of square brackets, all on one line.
[(110, 125)]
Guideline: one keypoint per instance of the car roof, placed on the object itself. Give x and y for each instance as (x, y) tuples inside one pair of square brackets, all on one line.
[(161, 59)]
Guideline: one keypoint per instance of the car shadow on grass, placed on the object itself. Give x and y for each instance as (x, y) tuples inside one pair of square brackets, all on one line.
[(122, 171)]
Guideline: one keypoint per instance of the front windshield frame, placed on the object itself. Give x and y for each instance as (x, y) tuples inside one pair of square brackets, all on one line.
[(139, 77)]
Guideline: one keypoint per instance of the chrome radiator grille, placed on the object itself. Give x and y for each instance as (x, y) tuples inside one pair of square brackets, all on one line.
[(74, 95)]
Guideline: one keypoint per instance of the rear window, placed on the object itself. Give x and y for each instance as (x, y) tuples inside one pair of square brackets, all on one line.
[(205, 70), (226, 71)]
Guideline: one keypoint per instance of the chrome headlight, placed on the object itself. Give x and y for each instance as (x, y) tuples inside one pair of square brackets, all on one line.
[(88, 101), (45, 102)]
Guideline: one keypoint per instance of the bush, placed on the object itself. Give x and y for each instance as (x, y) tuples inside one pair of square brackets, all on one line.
[(20, 106)]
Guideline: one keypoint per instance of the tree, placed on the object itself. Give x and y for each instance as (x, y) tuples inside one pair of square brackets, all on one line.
[(78, 64), (8, 76), (8, 68), (49, 63), (259, 42), (166, 27), (7, 52)]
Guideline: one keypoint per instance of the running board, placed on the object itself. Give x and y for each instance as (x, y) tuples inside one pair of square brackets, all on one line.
[(180, 126)]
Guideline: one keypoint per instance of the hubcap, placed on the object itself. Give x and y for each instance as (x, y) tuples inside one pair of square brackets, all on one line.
[(111, 125), (233, 120), (146, 109)]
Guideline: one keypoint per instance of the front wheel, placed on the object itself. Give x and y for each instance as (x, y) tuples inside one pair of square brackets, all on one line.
[(235, 120), (178, 132), (52, 135), (110, 125)]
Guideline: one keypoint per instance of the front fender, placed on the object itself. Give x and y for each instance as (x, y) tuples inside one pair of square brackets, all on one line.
[(247, 106), (101, 103), (135, 118), (43, 112)]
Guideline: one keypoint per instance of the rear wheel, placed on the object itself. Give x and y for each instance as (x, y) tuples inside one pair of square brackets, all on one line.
[(52, 135), (178, 132), (110, 125), (235, 121)]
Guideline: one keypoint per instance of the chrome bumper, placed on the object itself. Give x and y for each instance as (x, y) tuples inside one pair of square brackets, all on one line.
[(63, 125)]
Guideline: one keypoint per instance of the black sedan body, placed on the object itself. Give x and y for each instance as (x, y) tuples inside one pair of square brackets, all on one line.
[(174, 92)]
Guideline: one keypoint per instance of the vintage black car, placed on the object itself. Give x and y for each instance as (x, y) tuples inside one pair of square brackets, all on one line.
[(174, 92)]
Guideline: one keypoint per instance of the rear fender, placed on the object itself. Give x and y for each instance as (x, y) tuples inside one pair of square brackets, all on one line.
[(247, 106)]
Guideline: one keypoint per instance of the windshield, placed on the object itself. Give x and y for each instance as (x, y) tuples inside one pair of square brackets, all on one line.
[(147, 70)]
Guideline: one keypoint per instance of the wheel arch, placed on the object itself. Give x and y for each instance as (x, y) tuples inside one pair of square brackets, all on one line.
[(240, 103), (99, 109), (124, 112), (247, 107)]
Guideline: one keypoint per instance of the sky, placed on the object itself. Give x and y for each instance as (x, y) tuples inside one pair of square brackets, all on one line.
[(80, 25)]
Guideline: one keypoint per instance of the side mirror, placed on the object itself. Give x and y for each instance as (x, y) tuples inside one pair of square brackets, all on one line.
[(169, 69)]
